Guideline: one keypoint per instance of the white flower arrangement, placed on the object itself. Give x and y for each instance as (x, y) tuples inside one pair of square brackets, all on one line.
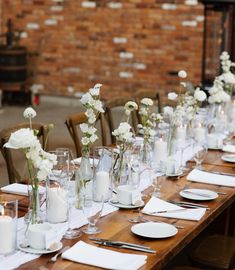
[(93, 107), (39, 162), (217, 93), (227, 77)]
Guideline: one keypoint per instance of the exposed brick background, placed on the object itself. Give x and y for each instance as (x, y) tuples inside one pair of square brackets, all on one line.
[(126, 45)]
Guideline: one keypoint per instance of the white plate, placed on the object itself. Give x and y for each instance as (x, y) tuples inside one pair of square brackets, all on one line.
[(128, 206), (214, 148), (78, 161), (40, 251), (229, 158), (209, 194), (154, 230), (174, 174)]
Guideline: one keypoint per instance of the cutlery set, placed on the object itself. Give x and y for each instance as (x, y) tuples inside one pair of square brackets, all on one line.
[(120, 244)]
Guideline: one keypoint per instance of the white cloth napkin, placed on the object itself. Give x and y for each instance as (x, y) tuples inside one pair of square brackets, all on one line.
[(20, 189), (211, 178), (229, 148), (156, 205), (78, 161), (84, 253)]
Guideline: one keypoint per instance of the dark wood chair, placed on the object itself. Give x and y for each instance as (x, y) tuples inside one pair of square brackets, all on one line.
[(215, 252), (114, 112), (73, 121), (12, 156)]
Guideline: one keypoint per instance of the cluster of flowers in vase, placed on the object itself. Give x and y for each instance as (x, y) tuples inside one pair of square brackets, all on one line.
[(187, 102), (39, 162), (93, 107)]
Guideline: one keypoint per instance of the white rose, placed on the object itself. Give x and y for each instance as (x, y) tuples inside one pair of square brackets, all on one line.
[(29, 113), (94, 91), (228, 77), (172, 96), (131, 106), (182, 74), (99, 106), (168, 111), (85, 141), (86, 99), (199, 95), (84, 128), (22, 138), (93, 138)]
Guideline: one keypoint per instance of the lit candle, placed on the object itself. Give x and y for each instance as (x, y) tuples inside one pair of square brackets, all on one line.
[(199, 133), (160, 150), (181, 133), (56, 205), (7, 234), (102, 185)]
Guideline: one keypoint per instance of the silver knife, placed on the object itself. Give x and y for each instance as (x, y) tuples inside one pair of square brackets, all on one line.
[(197, 193), (118, 243), (220, 173), (110, 244), (190, 204)]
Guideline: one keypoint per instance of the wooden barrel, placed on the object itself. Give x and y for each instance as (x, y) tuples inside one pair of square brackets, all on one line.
[(13, 67)]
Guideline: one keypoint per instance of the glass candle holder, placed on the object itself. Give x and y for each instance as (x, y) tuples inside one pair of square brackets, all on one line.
[(8, 225)]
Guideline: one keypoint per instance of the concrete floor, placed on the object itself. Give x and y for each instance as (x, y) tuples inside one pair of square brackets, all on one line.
[(49, 111)]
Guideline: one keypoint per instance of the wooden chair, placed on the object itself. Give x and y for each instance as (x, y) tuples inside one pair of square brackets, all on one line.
[(115, 114), (215, 252), (13, 162), (73, 121)]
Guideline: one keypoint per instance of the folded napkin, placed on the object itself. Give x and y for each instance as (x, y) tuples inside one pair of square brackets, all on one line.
[(211, 178), (229, 148), (78, 161), (156, 205), (84, 253), (20, 189)]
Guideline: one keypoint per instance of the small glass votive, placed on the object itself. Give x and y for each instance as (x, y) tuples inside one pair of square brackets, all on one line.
[(8, 225)]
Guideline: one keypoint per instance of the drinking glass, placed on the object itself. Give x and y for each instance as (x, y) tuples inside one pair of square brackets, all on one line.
[(71, 195), (200, 154), (92, 210), (157, 184)]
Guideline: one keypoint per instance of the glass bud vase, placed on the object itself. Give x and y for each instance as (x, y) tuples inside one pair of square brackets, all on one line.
[(84, 180)]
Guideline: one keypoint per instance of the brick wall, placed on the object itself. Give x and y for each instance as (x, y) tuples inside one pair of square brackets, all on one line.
[(124, 44)]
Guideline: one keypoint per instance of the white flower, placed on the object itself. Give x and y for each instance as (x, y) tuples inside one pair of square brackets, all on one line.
[(199, 95), (98, 106), (228, 77), (85, 141), (93, 138), (84, 127), (22, 139), (147, 101), (168, 111), (29, 113), (96, 90), (86, 99), (182, 74), (172, 96), (131, 106)]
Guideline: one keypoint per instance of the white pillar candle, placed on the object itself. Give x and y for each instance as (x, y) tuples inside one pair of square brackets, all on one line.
[(102, 185), (181, 133), (56, 205), (199, 133), (160, 150), (7, 234)]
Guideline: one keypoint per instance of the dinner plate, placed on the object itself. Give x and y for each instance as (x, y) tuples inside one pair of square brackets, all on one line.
[(40, 251), (198, 194), (154, 229), (229, 158), (125, 206)]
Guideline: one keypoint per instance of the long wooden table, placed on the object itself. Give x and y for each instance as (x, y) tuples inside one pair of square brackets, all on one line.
[(116, 226)]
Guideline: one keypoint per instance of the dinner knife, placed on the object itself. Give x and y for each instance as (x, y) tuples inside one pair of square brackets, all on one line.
[(191, 204), (220, 173), (118, 242), (110, 244), (197, 193)]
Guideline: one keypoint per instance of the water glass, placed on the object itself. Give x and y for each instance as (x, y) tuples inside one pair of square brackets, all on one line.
[(92, 210), (200, 154)]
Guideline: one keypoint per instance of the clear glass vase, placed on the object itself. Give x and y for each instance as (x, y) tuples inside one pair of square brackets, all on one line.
[(84, 180)]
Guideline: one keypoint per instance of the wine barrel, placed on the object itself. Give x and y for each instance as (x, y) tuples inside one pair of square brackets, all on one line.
[(13, 68)]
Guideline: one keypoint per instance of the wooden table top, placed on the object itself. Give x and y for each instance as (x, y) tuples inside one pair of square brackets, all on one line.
[(115, 226)]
